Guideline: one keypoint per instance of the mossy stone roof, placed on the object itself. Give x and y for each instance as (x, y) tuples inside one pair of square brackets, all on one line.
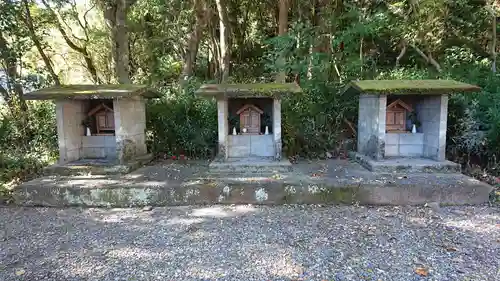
[(110, 91), (402, 87), (254, 90)]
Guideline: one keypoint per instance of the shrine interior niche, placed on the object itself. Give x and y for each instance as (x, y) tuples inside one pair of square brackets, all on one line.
[(100, 117), (250, 116), (397, 113), (250, 119)]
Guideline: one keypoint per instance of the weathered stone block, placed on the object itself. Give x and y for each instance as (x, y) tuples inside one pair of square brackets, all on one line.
[(391, 150), (371, 125), (392, 138), (239, 140), (262, 146), (413, 139), (410, 150), (239, 151)]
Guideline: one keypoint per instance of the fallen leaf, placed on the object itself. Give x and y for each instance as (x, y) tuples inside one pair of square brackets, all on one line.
[(20, 272), (422, 271)]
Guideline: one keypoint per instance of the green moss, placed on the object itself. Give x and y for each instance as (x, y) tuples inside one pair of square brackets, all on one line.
[(92, 91), (288, 198), (249, 90), (401, 87), (344, 195), (118, 197)]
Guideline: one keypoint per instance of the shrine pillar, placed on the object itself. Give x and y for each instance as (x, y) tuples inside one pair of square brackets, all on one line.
[(130, 127), (223, 127), (371, 125), (69, 116), (277, 127)]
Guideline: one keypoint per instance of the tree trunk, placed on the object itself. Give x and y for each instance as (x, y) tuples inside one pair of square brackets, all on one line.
[(194, 39), (361, 57), (115, 16), (225, 54), (427, 58), (494, 40), (282, 29), (401, 54), (10, 62), (215, 49), (48, 62)]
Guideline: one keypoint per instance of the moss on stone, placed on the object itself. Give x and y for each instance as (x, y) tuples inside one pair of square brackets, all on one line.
[(344, 195), (109, 91), (248, 90), (288, 198), (115, 197), (410, 87)]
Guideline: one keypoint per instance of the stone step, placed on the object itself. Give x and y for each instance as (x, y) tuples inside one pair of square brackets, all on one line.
[(96, 167), (406, 165)]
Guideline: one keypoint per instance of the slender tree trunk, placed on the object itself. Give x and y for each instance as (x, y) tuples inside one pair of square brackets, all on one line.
[(427, 58), (121, 43), (115, 16), (361, 57), (494, 40), (401, 54), (48, 62), (82, 50), (214, 49), (282, 29), (13, 83), (225, 54), (313, 46), (90, 66), (194, 39)]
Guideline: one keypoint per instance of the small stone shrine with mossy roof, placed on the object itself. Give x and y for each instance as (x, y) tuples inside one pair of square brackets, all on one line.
[(99, 121), (249, 119), (403, 123)]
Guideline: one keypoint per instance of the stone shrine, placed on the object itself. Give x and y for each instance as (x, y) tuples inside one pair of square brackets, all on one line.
[(249, 121), (402, 123), (99, 124)]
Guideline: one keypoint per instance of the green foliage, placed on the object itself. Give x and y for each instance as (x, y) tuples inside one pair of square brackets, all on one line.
[(313, 122), (26, 148), (181, 123)]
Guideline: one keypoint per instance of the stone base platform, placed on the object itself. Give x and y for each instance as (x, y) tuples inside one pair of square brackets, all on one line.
[(322, 182), (405, 165), (257, 165), (96, 167)]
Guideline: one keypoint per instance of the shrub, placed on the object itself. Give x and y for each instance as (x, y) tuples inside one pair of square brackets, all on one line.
[(27, 142)]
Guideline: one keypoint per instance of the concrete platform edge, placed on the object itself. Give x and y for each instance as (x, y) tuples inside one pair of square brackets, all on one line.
[(276, 192)]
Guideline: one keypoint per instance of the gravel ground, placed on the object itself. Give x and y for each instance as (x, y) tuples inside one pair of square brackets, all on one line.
[(251, 243)]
